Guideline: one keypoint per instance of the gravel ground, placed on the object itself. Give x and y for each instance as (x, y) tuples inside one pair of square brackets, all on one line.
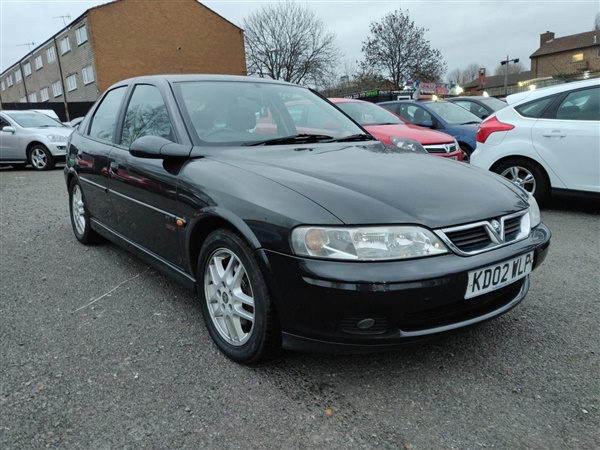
[(99, 351)]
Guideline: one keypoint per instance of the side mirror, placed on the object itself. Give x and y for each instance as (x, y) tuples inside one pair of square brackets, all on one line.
[(8, 130), (427, 123), (156, 147), (484, 116)]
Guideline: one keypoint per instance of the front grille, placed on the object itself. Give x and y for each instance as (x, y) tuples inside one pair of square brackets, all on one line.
[(512, 227), (460, 311), (478, 237), (441, 148), (470, 239)]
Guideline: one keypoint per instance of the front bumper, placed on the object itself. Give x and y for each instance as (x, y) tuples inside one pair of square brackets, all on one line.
[(58, 150), (324, 305)]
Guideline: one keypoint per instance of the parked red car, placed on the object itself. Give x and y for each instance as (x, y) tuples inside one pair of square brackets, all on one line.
[(389, 128)]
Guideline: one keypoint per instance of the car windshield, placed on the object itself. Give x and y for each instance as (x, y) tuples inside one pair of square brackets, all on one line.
[(368, 114), (34, 120), (253, 113), (453, 114)]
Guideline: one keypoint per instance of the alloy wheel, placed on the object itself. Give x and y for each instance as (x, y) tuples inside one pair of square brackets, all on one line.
[(229, 297), (521, 177), (78, 210), (39, 160)]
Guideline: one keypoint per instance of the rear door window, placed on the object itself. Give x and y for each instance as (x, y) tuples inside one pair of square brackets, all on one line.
[(104, 119), (580, 105)]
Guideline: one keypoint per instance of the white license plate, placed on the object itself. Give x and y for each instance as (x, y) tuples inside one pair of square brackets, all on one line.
[(497, 276)]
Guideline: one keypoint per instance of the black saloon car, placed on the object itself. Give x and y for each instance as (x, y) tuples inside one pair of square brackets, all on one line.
[(312, 235)]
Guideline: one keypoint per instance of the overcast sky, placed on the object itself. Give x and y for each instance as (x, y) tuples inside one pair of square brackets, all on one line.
[(465, 32)]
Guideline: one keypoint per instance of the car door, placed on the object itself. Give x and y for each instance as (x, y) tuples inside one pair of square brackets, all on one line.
[(143, 190), (90, 148), (9, 143), (567, 137)]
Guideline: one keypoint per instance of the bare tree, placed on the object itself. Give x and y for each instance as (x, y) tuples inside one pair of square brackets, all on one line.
[(464, 76), (512, 68), (286, 41), (597, 21), (397, 48)]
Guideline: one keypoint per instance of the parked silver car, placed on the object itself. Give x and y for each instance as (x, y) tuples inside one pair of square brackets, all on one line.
[(29, 137)]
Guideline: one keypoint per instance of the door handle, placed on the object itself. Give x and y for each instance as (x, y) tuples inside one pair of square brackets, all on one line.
[(555, 134)]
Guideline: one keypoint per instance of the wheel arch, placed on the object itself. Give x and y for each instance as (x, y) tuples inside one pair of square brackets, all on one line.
[(522, 158), (33, 144), (209, 221), (219, 219)]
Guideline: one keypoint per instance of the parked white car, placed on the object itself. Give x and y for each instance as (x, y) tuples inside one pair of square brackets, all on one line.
[(546, 140), (29, 137)]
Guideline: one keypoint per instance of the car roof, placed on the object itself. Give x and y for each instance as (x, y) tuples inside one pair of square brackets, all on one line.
[(550, 90), (347, 100), (178, 78)]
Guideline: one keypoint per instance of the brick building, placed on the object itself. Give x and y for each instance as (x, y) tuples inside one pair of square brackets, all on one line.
[(123, 39), (574, 56)]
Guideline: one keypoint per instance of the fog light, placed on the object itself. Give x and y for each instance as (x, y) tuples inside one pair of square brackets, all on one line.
[(365, 324)]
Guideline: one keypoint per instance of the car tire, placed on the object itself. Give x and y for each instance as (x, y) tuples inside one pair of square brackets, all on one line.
[(80, 216), (528, 175), (235, 300), (40, 158)]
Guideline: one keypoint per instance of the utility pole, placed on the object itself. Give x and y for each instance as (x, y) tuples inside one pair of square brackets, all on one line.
[(505, 63)]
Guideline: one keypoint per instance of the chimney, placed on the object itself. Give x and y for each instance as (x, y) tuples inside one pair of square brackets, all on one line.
[(546, 37), (481, 76)]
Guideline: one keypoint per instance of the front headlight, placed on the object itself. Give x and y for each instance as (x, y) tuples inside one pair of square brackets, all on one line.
[(366, 243), (57, 138), (407, 144), (534, 211)]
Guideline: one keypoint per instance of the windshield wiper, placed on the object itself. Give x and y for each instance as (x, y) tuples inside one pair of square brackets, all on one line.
[(355, 138), (471, 123), (295, 139)]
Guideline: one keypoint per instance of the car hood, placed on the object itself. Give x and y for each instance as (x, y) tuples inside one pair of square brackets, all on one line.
[(421, 135), (373, 183)]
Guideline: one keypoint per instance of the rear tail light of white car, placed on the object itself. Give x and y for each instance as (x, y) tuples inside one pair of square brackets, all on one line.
[(490, 126)]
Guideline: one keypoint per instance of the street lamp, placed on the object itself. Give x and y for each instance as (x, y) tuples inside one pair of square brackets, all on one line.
[(505, 62)]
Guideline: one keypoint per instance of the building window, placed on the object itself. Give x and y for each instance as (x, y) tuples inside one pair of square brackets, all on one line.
[(65, 46), (81, 35), (71, 83), (38, 62), (23, 100), (18, 76), (44, 94), (57, 89), (88, 75), (51, 55), (577, 57), (27, 69), (9, 80), (2, 85), (33, 97)]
